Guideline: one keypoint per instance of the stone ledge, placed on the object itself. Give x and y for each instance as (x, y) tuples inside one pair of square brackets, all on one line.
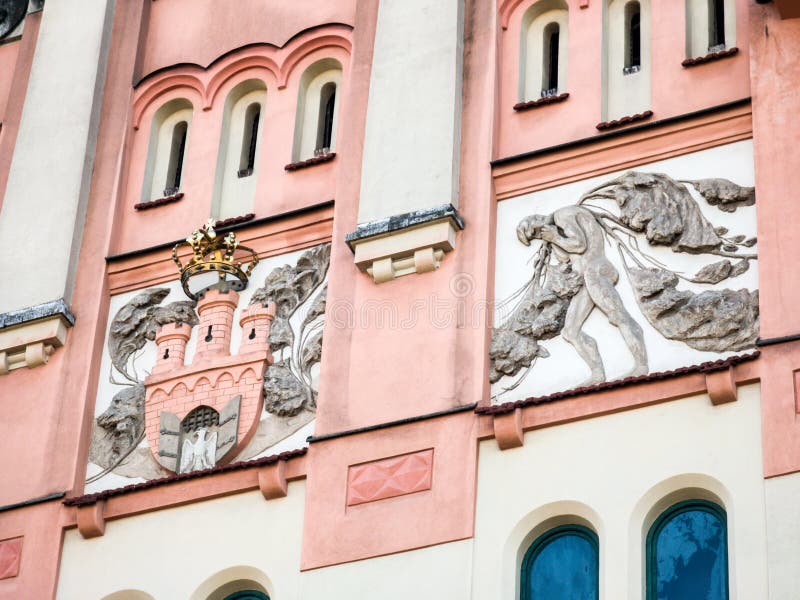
[(30, 335), (414, 242)]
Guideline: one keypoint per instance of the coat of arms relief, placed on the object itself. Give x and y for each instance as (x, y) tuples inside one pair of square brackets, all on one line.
[(628, 231), (179, 415)]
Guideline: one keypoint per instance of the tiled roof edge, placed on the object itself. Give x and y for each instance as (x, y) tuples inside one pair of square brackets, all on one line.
[(706, 367), (135, 487)]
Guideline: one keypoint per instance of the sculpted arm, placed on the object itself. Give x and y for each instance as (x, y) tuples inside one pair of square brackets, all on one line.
[(573, 239)]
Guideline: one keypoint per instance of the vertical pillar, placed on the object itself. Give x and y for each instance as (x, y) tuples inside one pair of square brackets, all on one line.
[(216, 319), (255, 323), (409, 177), (171, 340), (41, 219)]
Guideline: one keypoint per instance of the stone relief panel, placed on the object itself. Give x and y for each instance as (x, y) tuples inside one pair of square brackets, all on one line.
[(129, 445), (625, 274)]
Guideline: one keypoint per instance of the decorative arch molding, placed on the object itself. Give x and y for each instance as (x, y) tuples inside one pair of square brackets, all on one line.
[(231, 580), (508, 8), (659, 498), (275, 64), (128, 595), (183, 86), (536, 523)]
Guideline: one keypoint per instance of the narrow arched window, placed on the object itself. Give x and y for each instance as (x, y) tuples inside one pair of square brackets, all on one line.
[(247, 160), (562, 564), (633, 37), (177, 150), (327, 104), (550, 63), (716, 25), (687, 553)]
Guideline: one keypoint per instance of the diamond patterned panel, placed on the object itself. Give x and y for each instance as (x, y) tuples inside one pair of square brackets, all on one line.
[(10, 552), (389, 477)]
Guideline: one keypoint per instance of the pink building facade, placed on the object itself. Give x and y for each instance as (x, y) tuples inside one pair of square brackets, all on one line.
[(432, 299)]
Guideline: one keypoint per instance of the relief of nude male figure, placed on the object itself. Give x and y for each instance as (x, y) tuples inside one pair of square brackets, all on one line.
[(577, 238)]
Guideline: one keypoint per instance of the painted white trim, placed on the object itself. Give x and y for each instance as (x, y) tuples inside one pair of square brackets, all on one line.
[(308, 107), (234, 195), (625, 94), (158, 151), (532, 56)]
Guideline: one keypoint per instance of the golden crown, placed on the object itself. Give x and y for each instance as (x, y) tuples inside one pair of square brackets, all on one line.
[(214, 254)]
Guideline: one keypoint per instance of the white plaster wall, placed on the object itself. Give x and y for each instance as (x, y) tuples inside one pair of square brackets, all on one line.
[(236, 194), (625, 94), (532, 53), (145, 360), (783, 536), (412, 138), (308, 110), (179, 552), (612, 472), (41, 222), (564, 369), (433, 573), (160, 150), (697, 40)]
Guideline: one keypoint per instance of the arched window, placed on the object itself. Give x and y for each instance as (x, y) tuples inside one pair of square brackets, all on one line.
[(687, 553), (543, 50), (247, 595), (710, 26), (247, 158), (626, 49), (327, 104), (550, 66), (166, 155), (716, 25), (562, 564), (633, 37), (240, 148), (176, 154), (317, 110)]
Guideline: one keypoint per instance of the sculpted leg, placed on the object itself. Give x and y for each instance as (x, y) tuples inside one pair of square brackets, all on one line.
[(577, 313), (601, 288)]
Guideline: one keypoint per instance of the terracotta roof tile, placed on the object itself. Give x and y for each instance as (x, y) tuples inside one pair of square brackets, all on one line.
[(159, 202), (706, 367), (246, 464), (625, 120), (303, 164), (691, 62), (234, 220), (541, 102)]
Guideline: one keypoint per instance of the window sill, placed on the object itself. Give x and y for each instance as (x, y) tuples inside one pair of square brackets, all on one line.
[(701, 60), (643, 116), (541, 102), (158, 202), (316, 160), (234, 220)]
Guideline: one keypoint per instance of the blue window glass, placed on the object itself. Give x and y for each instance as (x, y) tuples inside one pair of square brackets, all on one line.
[(687, 553), (562, 564), (247, 595)]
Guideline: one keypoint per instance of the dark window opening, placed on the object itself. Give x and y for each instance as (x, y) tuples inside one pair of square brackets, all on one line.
[(176, 152), (247, 160), (327, 106), (201, 417), (716, 25), (550, 71), (633, 38)]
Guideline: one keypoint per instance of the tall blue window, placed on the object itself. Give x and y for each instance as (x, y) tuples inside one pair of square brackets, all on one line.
[(562, 564), (687, 553)]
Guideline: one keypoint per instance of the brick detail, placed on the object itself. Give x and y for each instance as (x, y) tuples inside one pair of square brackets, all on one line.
[(389, 477), (10, 555), (215, 376)]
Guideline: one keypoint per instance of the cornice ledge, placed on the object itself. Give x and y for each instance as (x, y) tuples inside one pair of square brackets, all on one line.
[(412, 242), (28, 336)]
